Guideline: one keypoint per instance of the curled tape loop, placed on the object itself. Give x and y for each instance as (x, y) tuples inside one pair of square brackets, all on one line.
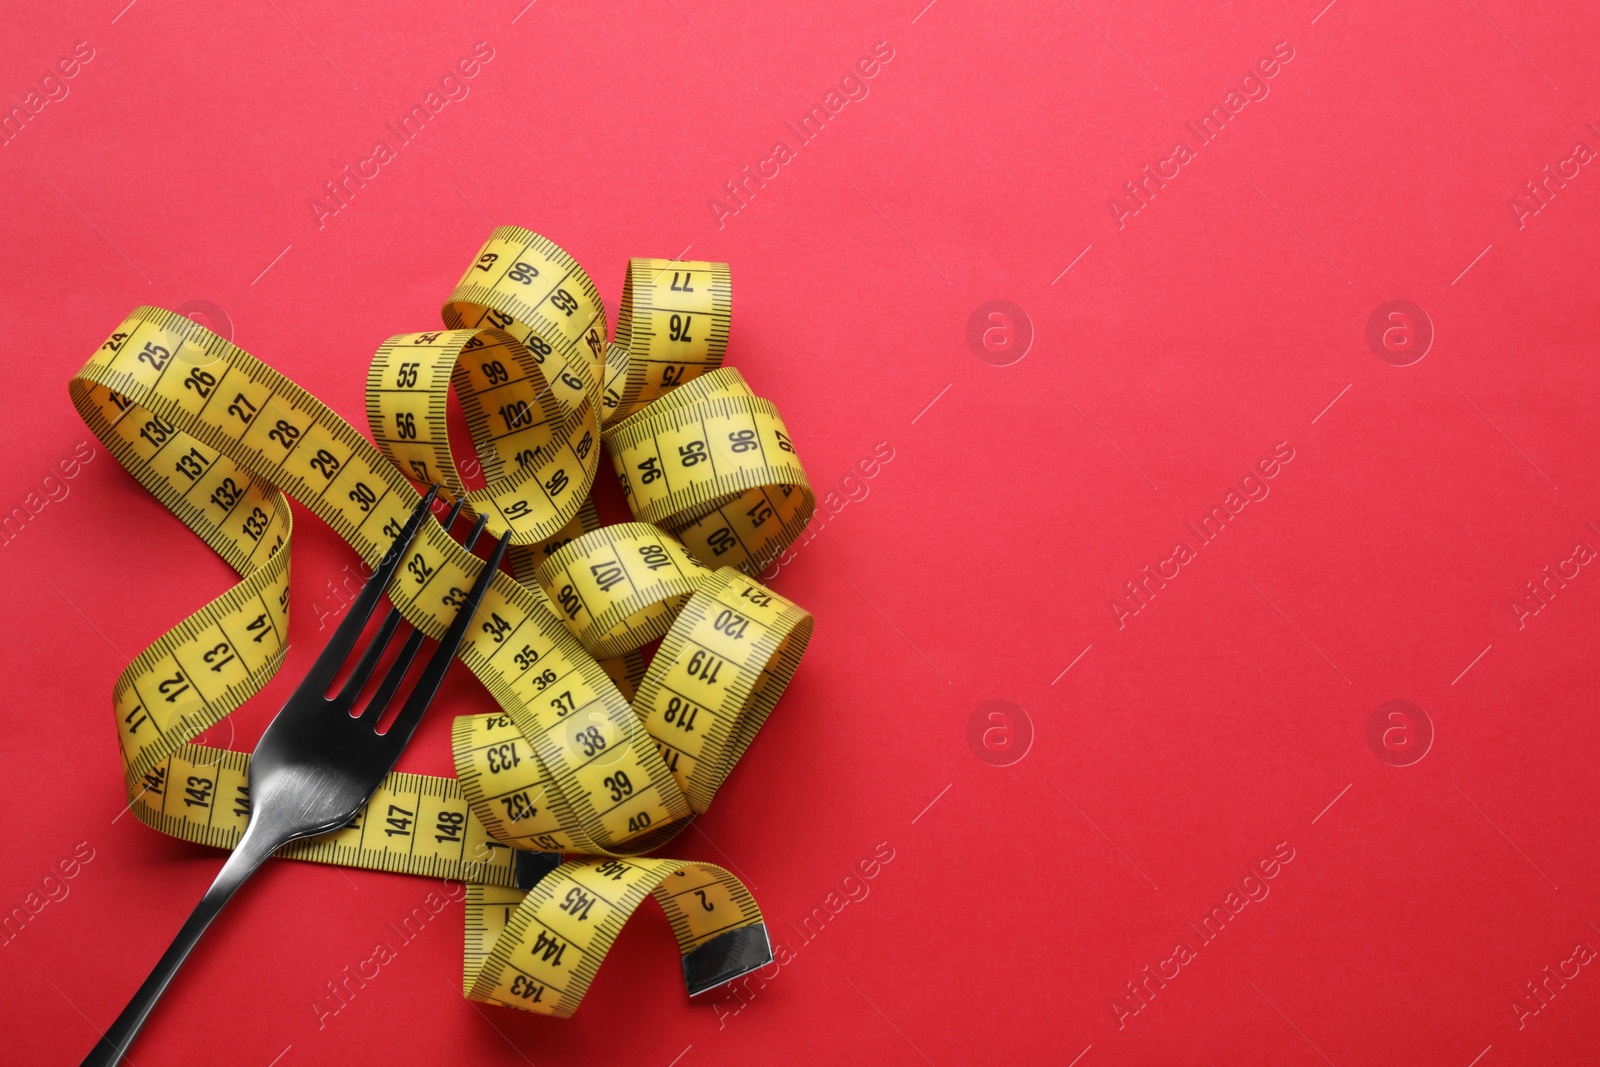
[(539, 460), (714, 464), (539, 950), (569, 766), (620, 587), (672, 328)]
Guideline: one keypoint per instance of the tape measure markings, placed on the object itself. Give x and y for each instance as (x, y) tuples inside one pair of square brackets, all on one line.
[(643, 364), (213, 806), (760, 636), (584, 581), (598, 899), (655, 446), (409, 382)]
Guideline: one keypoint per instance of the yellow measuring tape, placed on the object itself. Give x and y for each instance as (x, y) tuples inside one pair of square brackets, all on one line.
[(569, 766)]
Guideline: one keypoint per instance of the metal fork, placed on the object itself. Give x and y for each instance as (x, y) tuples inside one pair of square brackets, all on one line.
[(317, 764)]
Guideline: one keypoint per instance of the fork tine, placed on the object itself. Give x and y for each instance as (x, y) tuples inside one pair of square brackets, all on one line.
[(408, 652), (322, 672), (433, 675), (402, 662), (391, 681), (380, 641)]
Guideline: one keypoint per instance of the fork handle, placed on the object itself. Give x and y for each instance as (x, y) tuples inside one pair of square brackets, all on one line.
[(247, 856)]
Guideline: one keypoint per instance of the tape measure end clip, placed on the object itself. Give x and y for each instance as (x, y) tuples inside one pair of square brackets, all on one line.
[(726, 957), (531, 867)]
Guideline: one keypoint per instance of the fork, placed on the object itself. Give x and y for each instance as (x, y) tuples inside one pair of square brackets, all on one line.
[(318, 763)]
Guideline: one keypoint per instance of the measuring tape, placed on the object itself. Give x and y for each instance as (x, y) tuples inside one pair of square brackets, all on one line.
[(594, 754), (673, 326), (713, 463)]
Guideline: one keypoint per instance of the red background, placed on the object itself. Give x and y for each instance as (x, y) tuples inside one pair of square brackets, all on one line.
[(1178, 751)]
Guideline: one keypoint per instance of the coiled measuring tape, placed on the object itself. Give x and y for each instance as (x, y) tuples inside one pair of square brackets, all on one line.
[(569, 767)]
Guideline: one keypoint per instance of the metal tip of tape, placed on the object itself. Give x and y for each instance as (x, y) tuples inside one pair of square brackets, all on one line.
[(726, 957), (531, 867)]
